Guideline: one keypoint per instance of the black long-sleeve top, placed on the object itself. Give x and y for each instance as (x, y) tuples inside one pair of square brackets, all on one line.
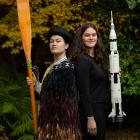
[(91, 81)]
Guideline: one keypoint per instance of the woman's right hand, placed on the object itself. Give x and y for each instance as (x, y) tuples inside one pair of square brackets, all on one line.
[(29, 81), (36, 83)]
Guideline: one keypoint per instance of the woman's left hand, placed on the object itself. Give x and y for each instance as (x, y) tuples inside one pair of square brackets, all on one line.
[(91, 126)]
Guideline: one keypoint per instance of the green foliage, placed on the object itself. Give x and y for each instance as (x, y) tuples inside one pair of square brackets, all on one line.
[(129, 55), (46, 14), (15, 109), (131, 4)]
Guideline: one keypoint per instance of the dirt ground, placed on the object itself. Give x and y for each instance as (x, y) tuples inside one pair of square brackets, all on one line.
[(125, 131), (122, 134)]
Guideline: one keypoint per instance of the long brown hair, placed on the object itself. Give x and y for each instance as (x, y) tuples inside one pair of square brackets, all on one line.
[(78, 46)]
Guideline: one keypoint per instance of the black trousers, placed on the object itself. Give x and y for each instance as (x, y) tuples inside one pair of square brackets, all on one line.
[(99, 116)]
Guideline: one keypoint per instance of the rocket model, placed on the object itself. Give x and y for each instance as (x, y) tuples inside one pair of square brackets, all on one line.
[(116, 114)]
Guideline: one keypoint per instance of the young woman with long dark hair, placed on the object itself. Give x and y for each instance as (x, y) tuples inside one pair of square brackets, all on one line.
[(91, 66)]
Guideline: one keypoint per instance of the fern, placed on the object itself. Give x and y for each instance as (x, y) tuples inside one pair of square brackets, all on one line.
[(26, 137), (1, 128), (24, 124), (15, 108)]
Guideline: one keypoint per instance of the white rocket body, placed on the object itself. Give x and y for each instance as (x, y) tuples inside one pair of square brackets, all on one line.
[(116, 100)]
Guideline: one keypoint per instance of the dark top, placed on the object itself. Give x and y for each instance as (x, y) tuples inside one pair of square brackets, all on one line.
[(59, 104), (91, 81), (58, 89)]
